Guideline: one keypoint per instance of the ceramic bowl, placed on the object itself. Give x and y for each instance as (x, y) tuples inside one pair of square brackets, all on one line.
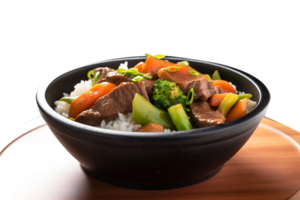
[(152, 160)]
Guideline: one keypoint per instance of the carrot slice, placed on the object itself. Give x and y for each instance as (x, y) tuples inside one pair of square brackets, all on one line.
[(88, 99), (140, 66), (152, 127), (225, 86), (216, 99), (152, 65), (237, 111)]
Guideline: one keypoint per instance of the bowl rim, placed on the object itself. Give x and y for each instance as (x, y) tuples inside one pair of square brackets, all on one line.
[(261, 105)]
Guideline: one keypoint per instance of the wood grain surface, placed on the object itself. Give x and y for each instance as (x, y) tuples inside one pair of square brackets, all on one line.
[(36, 167)]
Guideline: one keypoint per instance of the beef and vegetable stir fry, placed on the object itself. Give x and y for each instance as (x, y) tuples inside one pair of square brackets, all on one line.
[(160, 95)]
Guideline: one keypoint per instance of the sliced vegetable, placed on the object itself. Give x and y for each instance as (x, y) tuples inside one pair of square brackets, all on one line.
[(225, 86), (194, 73), (93, 76), (172, 69), (133, 72), (137, 79), (227, 103), (158, 56), (147, 54), (146, 77), (68, 100), (152, 127), (180, 118), (184, 63), (244, 96), (216, 99), (87, 99), (216, 75), (238, 110), (121, 71), (190, 97), (143, 112)]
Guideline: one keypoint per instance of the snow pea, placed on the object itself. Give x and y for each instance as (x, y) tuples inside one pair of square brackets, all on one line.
[(180, 118), (143, 112)]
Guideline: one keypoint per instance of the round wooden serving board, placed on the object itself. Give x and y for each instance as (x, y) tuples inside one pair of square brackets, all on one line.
[(36, 167)]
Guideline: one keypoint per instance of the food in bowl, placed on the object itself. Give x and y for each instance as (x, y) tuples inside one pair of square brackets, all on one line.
[(154, 96), (150, 160)]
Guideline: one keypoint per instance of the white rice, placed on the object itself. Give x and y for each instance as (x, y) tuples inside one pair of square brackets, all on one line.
[(124, 122)]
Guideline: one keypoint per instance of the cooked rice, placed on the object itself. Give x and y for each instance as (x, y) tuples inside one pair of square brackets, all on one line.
[(124, 122)]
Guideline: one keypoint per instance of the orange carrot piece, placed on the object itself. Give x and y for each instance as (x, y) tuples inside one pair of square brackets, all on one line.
[(225, 86), (140, 66), (152, 127), (152, 65), (87, 99), (237, 111), (216, 99)]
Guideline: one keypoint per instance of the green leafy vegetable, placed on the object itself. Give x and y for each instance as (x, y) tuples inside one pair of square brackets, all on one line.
[(167, 94)]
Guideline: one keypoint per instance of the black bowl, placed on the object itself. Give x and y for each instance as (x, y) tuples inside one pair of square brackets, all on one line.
[(152, 160)]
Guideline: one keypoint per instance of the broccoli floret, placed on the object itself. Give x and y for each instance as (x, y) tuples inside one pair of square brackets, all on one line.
[(167, 94)]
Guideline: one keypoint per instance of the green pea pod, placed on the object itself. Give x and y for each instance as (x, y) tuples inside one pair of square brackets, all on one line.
[(216, 76), (144, 113), (180, 118), (227, 103)]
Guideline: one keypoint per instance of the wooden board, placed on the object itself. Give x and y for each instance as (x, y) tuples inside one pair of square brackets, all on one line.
[(35, 166)]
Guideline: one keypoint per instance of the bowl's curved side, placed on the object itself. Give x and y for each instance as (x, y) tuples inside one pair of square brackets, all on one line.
[(148, 164)]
